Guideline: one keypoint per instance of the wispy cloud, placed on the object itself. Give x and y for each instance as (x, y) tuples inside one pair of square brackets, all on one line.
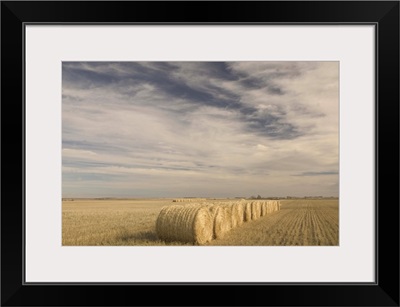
[(199, 128)]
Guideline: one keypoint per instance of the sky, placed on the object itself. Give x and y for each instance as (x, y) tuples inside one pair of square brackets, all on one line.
[(200, 129)]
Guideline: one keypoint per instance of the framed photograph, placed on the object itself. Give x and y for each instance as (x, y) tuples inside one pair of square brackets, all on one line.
[(245, 149)]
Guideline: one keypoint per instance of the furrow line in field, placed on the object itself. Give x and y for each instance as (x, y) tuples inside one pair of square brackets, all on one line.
[(330, 232), (294, 222), (298, 226), (331, 227), (330, 217), (273, 226), (333, 216), (303, 233), (286, 227), (314, 240), (307, 229), (322, 234), (277, 231)]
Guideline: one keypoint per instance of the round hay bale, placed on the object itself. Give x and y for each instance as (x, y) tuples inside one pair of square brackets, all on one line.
[(247, 212), (263, 208), (274, 206), (190, 224), (269, 207), (238, 213), (233, 214), (228, 214), (255, 210), (241, 211), (220, 224)]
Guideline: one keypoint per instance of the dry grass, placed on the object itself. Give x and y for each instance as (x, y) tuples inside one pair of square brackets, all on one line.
[(112, 222)]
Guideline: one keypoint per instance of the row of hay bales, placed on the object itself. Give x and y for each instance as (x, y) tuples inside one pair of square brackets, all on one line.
[(181, 200), (200, 223)]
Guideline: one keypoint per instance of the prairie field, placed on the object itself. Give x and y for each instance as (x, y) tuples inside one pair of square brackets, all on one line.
[(299, 222), (132, 222)]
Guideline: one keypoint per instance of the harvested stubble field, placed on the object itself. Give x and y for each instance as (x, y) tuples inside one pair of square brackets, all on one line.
[(299, 222), (132, 222)]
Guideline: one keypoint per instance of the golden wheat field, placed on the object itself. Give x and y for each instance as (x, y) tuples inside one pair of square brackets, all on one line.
[(132, 222)]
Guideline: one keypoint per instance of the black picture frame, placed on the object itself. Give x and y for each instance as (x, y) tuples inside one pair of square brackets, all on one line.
[(383, 14)]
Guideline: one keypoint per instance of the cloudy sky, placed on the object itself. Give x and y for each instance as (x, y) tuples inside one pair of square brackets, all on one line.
[(207, 129)]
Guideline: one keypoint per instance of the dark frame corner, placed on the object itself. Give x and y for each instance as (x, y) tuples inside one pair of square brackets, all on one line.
[(384, 14)]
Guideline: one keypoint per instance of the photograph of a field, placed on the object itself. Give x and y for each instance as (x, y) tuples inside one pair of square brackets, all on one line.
[(205, 153), (130, 222)]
